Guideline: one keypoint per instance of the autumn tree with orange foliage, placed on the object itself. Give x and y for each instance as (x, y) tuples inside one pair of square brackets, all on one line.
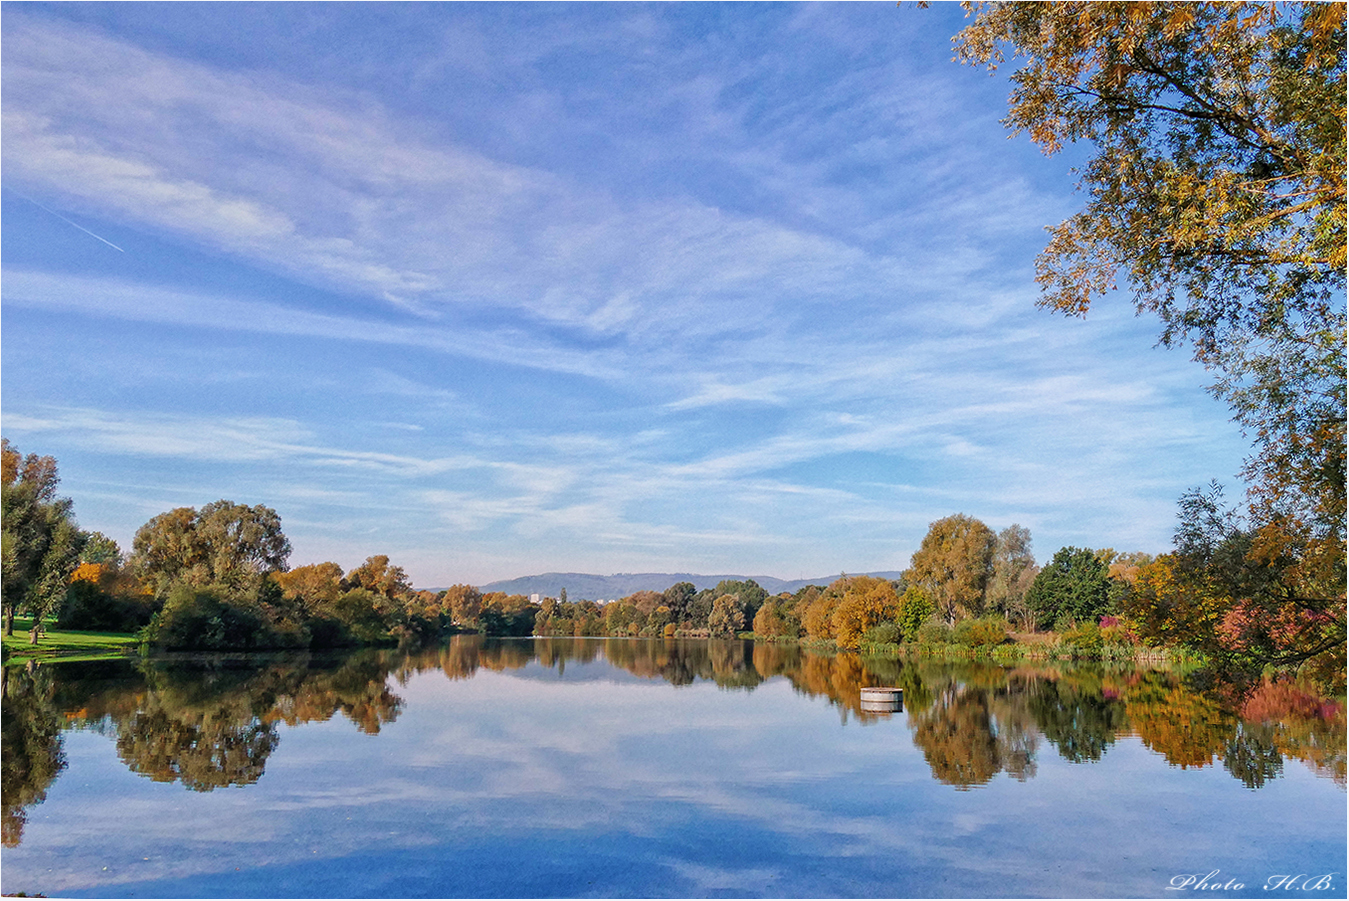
[(315, 585), (1216, 195), (866, 601), (1214, 593)]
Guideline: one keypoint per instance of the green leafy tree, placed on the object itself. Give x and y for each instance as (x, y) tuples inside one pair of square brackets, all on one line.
[(750, 593), (700, 608), (1073, 587), (619, 617), (41, 542), (915, 608), (656, 622), (365, 615), (953, 565), (99, 548), (206, 619), (492, 621), (679, 598)]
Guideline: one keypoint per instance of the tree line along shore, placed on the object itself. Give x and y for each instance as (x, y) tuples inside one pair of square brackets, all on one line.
[(217, 579)]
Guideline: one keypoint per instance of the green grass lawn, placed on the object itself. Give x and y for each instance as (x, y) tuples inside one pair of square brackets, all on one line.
[(54, 645)]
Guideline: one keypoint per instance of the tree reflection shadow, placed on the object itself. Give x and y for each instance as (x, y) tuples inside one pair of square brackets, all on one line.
[(30, 745), (212, 722), (204, 722)]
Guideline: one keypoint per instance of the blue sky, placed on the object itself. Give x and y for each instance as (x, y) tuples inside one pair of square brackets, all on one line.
[(500, 289)]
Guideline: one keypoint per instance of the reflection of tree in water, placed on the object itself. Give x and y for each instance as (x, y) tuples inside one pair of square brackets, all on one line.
[(840, 678), (976, 724), (215, 723), (1252, 755), (1251, 728), (357, 689), (957, 737), (775, 658), (31, 755), (1290, 722), (212, 722), (732, 664), (972, 720), (1189, 729), (1075, 715), (203, 749), (501, 655), (684, 664)]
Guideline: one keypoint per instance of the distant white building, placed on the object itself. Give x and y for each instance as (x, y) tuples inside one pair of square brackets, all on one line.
[(534, 598)]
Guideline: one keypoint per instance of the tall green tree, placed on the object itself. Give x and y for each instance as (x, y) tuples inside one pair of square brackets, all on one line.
[(1216, 196), (679, 598), (915, 607), (1073, 587), (99, 548), (41, 542), (750, 593)]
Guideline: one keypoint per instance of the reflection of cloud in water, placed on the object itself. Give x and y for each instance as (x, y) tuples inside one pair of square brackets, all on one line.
[(746, 792), (749, 881)]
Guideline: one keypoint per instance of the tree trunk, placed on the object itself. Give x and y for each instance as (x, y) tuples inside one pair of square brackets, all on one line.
[(9, 622)]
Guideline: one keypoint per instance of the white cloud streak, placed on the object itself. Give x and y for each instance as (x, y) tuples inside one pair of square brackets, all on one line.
[(857, 298)]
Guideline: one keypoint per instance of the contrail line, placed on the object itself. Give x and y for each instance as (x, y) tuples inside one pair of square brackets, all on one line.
[(68, 222)]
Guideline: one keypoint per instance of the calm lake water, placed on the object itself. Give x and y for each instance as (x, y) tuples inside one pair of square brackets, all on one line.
[(593, 767)]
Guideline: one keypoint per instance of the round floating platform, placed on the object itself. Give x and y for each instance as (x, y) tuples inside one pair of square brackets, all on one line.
[(882, 700)]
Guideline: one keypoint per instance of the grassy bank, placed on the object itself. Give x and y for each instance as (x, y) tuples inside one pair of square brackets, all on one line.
[(55, 645), (1021, 646), (1014, 651)]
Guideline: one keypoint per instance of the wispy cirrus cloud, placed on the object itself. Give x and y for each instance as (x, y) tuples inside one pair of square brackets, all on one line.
[(104, 297), (589, 286), (217, 439), (334, 192)]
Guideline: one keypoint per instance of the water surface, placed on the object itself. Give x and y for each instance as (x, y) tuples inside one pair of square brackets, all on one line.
[(594, 767)]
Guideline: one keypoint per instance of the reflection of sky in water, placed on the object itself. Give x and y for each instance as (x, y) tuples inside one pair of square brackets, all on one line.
[(598, 782)]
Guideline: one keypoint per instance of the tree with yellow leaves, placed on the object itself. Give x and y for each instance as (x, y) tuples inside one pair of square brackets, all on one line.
[(867, 601), (953, 565), (1216, 195)]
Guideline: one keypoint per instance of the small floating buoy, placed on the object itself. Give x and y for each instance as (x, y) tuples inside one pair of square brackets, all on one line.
[(882, 700)]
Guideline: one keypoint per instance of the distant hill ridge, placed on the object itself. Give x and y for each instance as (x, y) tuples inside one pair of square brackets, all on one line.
[(583, 586)]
